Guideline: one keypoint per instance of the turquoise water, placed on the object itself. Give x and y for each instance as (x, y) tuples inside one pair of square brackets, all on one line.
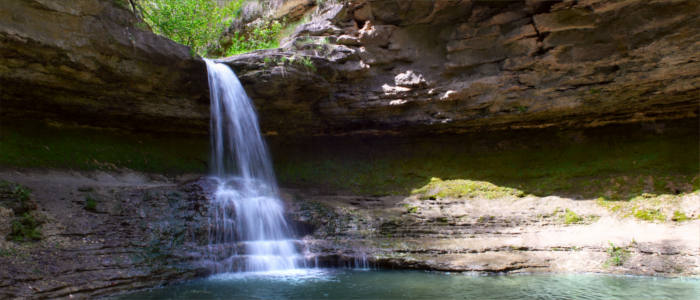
[(359, 284)]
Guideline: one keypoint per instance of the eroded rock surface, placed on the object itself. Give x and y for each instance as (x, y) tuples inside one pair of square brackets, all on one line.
[(378, 66), (92, 62), (103, 233), (506, 234), (405, 66)]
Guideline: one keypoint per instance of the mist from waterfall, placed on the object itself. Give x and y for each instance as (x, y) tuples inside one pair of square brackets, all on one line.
[(247, 225)]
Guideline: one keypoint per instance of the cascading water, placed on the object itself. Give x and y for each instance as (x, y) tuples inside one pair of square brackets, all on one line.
[(247, 225)]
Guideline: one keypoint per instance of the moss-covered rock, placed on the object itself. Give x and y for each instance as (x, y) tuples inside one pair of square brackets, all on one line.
[(438, 188)]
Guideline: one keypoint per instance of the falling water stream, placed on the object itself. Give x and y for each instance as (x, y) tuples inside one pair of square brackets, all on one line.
[(249, 231), (248, 215)]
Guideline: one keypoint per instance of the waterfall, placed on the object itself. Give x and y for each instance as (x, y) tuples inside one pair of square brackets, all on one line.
[(247, 225)]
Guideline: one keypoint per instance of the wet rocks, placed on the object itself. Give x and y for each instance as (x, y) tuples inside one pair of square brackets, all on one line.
[(141, 232)]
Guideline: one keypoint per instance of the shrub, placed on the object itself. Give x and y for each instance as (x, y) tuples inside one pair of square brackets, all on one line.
[(618, 255), (195, 23), (263, 36), (25, 228)]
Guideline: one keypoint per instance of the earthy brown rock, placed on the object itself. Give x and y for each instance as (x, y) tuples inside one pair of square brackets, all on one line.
[(473, 65), (495, 65), (143, 230), (93, 62), (476, 234)]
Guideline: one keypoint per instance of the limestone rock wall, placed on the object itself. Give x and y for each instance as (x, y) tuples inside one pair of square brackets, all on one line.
[(93, 62), (387, 67), (407, 66)]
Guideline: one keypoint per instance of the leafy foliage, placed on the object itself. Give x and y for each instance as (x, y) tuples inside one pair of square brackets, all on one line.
[(618, 255), (263, 36), (195, 23), (25, 228)]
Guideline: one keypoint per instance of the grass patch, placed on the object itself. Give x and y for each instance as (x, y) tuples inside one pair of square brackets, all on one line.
[(570, 217), (24, 228), (459, 188), (617, 255), (647, 207), (679, 216), (649, 215)]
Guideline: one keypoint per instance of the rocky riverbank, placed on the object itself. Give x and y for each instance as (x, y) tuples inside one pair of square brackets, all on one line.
[(476, 232), (100, 233), (97, 233)]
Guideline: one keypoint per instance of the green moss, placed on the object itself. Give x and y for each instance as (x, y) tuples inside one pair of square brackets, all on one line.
[(438, 188), (570, 217), (679, 216), (411, 209), (649, 214), (613, 166)]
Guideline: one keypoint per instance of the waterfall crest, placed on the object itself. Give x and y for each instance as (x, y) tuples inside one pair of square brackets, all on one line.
[(247, 224)]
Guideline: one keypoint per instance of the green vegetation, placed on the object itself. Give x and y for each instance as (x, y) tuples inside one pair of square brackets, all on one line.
[(24, 228), (195, 23), (308, 63), (201, 24), (90, 204), (438, 188), (647, 207), (303, 61), (8, 252), (649, 215), (570, 217), (522, 108), (289, 28), (263, 36), (616, 167), (679, 216), (411, 209), (87, 149), (618, 255)]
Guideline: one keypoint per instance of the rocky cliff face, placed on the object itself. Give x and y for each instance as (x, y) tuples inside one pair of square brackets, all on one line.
[(380, 66), (92, 62), (508, 234), (100, 233), (468, 65)]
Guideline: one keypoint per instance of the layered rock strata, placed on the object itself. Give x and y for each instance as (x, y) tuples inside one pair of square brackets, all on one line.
[(92, 62), (504, 235), (378, 66), (453, 66)]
